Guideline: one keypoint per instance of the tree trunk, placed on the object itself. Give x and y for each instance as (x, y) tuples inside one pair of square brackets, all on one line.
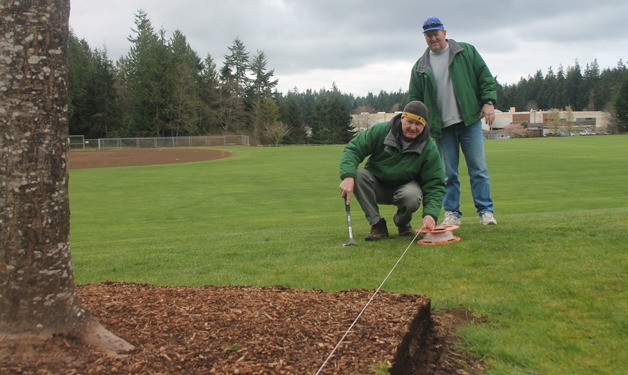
[(37, 290)]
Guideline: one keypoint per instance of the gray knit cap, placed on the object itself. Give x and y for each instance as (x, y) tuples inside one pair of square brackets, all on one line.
[(417, 111)]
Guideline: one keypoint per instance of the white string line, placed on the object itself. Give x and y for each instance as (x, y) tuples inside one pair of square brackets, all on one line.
[(365, 306)]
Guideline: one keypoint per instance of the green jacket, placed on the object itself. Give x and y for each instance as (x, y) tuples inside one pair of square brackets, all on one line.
[(420, 162), (473, 83)]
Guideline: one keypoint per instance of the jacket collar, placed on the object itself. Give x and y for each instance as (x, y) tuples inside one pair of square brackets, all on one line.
[(424, 61)]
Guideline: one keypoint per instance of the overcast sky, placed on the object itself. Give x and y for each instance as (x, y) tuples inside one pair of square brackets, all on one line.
[(370, 45)]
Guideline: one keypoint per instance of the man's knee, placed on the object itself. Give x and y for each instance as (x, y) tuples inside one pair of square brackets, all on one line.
[(409, 196)]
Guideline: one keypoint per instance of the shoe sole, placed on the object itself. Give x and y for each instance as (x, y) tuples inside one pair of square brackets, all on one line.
[(375, 239)]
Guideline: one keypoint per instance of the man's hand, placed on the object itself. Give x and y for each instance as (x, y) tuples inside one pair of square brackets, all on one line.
[(489, 113), (346, 189), (429, 223)]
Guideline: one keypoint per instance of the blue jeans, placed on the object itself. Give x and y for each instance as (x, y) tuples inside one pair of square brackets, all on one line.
[(471, 140)]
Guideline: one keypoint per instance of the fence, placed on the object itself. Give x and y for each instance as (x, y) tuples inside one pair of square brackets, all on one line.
[(77, 142), (162, 142)]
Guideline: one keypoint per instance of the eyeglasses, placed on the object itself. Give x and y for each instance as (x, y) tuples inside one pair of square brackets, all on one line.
[(432, 25)]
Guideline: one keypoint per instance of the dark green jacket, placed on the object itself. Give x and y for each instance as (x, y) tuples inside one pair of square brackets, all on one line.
[(473, 83), (420, 162)]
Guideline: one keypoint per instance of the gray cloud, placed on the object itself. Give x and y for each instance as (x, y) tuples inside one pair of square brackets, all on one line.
[(356, 44)]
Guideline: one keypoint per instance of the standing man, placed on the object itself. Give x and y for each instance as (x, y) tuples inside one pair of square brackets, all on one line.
[(452, 79), (403, 169)]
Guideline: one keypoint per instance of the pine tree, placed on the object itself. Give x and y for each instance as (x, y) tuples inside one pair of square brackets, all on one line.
[(80, 72), (102, 93), (187, 105), (331, 122), (621, 107), (260, 89), (209, 93), (148, 74), (590, 87), (292, 116), (235, 69), (234, 80)]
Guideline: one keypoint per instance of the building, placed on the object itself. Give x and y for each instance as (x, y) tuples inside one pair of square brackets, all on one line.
[(513, 123), (549, 122)]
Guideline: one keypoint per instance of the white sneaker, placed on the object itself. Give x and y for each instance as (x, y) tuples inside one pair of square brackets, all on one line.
[(487, 218), (450, 219)]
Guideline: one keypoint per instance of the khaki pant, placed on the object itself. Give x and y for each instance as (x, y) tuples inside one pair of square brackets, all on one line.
[(370, 192)]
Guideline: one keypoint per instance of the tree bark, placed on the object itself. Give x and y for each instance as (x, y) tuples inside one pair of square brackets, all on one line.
[(37, 290)]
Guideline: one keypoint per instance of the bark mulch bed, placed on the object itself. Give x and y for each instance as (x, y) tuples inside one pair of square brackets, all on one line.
[(255, 330)]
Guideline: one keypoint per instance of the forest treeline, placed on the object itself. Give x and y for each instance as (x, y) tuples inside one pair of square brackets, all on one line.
[(162, 87)]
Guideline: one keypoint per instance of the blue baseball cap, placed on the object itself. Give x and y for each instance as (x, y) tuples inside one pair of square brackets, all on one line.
[(432, 23)]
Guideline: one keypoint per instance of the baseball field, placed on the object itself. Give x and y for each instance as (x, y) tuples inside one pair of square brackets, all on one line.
[(545, 290)]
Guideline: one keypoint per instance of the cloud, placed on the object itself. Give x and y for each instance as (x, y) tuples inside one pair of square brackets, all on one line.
[(366, 45)]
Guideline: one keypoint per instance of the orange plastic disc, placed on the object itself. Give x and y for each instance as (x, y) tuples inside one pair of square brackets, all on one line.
[(440, 229), (442, 234), (424, 242)]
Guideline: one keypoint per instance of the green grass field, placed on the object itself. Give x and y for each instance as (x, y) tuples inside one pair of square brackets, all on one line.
[(551, 277)]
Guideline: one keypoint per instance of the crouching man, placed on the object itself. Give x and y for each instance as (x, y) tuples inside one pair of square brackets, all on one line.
[(403, 169)]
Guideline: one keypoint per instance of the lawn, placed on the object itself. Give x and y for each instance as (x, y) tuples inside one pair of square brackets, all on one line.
[(550, 278)]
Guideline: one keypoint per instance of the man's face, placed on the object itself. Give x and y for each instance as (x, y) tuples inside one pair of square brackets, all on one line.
[(411, 129), (436, 40)]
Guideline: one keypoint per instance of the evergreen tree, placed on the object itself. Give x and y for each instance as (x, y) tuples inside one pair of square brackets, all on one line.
[(80, 71), (234, 84), (621, 106), (331, 122), (559, 97), (262, 84), (163, 88), (230, 112), (610, 81), (535, 94), (502, 97), (236, 68), (307, 100), (102, 93), (209, 93), (91, 91), (590, 87), (259, 90), (148, 75), (573, 83), (368, 101), (187, 104), (292, 116), (548, 88)]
